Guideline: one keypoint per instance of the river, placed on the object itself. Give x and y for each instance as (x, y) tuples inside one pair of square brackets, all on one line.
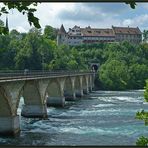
[(101, 118)]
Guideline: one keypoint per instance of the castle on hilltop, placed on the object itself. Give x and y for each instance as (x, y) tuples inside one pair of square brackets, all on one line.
[(88, 35)]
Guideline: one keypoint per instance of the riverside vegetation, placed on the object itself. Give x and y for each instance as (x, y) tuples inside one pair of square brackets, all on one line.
[(122, 65)]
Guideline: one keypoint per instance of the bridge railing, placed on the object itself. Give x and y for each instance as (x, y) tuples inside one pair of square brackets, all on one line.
[(36, 73)]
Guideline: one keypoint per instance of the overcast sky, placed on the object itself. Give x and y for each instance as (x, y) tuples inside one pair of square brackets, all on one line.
[(99, 15)]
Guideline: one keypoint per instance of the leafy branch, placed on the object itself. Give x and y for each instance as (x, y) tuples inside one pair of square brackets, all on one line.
[(27, 8)]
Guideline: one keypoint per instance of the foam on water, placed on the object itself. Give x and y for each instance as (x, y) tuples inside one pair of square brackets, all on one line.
[(121, 99), (20, 106), (129, 99), (102, 105), (97, 130), (97, 112), (97, 119), (51, 110), (106, 112)]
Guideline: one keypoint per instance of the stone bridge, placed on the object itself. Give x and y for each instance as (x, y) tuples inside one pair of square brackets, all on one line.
[(39, 90)]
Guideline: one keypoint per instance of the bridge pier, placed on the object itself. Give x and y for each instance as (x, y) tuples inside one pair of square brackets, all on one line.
[(9, 101), (79, 93), (9, 125), (34, 111), (70, 95), (85, 91), (56, 101), (91, 83), (69, 89), (55, 93), (79, 87), (34, 99), (90, 89), (86, 84)]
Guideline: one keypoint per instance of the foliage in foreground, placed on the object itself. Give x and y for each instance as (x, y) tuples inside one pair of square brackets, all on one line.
[(142, 141), (26, 8), (143, 115), (146, 92)]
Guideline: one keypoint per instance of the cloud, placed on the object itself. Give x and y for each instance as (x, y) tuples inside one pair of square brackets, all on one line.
[(108, 8), (48, 13), (94, 14), (93, 11), (144, 5), (82, 14), (20, 29), (140, 21), (98, 15)]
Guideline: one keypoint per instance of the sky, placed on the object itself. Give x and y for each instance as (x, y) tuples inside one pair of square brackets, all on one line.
[(96, 15)]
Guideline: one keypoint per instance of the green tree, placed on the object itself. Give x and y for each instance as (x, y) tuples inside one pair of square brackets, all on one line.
[(145, 35), (114, 75), (138, 74), (50, 32), (28, 57), (1, 23)]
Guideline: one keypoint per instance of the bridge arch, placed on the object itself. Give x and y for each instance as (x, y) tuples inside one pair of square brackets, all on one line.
[(34, 100), (90, 83), (55, 93), (78, 86), (85, 84), (53, 88), (69, 91)]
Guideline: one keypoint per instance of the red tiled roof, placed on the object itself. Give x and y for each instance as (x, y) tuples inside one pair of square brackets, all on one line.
[(97, 32), (126, 30)]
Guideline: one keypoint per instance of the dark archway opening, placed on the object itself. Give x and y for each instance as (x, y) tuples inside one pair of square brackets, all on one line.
[(94, 67)]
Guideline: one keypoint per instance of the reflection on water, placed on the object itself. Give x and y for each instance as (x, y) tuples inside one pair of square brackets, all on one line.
[(101, 118)]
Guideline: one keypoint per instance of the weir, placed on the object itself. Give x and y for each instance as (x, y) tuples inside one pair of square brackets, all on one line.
[(39, 90)]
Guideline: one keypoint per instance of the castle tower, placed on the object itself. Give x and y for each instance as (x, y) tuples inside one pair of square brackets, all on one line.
[(7, 28), (62, 35)]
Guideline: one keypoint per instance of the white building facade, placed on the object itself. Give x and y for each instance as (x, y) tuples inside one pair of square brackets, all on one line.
[(88, 35)]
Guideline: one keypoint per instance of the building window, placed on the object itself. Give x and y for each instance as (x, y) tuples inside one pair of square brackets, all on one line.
[(89, 31)]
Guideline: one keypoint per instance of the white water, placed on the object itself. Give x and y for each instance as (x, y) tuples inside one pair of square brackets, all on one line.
[(104, 118)]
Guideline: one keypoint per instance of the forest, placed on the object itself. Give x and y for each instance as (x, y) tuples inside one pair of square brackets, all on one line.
[(122, 65)]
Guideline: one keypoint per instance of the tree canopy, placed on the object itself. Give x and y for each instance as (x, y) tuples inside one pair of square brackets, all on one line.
[(122, 65)]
